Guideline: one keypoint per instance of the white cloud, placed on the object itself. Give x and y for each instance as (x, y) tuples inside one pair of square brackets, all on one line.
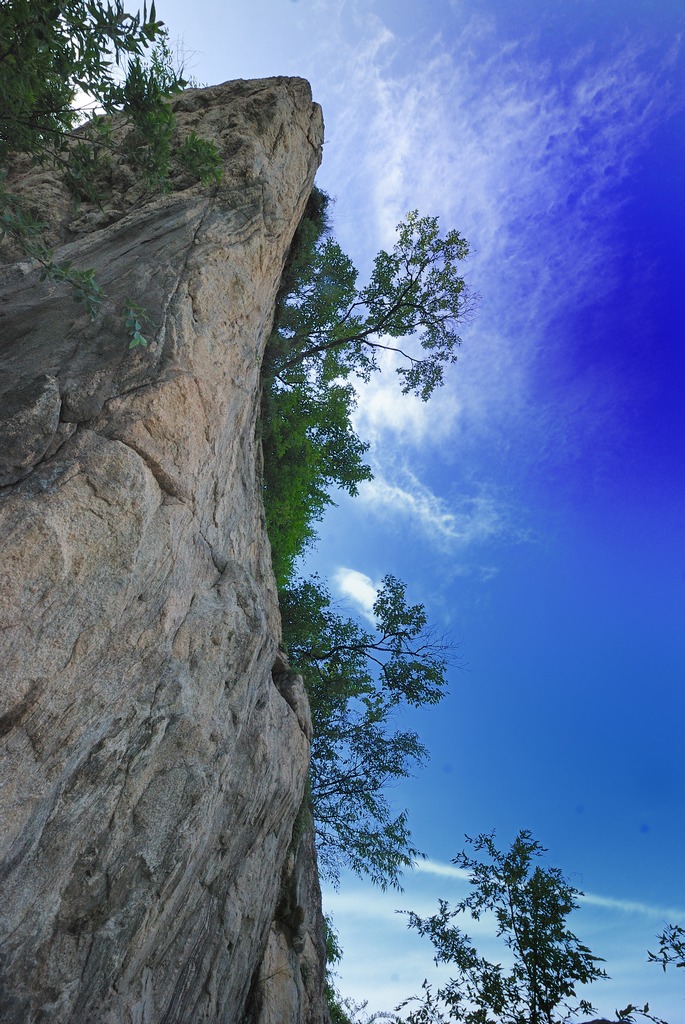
[(359, 588), (382, 410), (362, 902), (358, 902)]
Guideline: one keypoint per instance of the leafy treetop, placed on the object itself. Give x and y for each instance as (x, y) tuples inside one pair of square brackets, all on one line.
[(331, 329), (530, 905), (50, 49), (357, 680), (671, 947), (329, 332)]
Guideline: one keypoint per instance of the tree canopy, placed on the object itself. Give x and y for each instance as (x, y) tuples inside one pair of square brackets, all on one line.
[(331, 329), (530, 905), (357, 679), (49, 50), (671, 947), (327, 337)]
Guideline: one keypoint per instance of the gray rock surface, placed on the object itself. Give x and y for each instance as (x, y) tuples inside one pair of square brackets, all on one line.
[(153, 758), (288, 983), (30, 416)]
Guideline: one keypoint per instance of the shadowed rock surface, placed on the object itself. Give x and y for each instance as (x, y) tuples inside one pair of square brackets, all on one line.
[(153, 758)]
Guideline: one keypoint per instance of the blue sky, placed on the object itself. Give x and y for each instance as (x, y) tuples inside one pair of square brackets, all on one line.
[(536, 505)]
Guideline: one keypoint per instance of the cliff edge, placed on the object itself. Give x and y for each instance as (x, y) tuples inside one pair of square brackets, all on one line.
[(154, 754)]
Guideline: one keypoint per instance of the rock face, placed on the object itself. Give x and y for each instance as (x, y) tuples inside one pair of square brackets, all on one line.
[(154, 752)]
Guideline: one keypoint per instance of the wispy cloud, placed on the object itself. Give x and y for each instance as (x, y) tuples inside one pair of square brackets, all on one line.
[(528, 159), (632, 907), (510, 149), (434, 867), (463, 521), (383, 410), (442, 870)]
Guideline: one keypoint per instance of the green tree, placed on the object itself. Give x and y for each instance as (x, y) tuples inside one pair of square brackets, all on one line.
[(627, 1016), (331, 329), (671, 952), (308, 441), (49, 50), (358, 679), (530, 905), (309, 446), (327, 334)]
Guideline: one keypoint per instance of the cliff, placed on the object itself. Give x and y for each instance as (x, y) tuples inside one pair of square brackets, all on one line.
[(153, 864)]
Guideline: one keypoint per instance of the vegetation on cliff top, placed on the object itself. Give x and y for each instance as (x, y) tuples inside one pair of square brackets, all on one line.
[(62, 63)]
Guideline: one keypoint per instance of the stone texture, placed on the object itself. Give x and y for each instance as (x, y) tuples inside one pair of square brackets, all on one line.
[(154, 749), (30, 417), (288, 983)]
